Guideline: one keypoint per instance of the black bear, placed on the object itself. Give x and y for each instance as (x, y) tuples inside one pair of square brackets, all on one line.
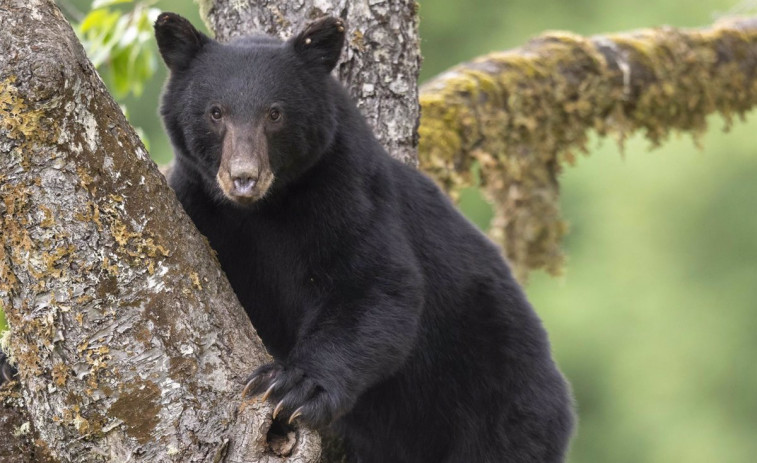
[(392, 320)]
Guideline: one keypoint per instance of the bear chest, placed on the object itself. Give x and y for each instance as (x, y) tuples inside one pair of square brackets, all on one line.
[(276, 274)]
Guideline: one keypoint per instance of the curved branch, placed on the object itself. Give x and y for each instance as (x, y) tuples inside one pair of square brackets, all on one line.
[(521, 115)]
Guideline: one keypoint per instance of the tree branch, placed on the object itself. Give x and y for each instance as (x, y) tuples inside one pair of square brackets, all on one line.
[(520, 115)]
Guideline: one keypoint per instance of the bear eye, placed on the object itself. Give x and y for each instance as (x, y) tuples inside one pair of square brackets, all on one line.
[(216, 113), (274, 114)]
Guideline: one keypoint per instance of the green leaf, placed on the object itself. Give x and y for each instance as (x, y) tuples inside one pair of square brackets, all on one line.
[(3, 322), (99, 32), (120, 75), (95, 19), (111, 39), (120, 45)]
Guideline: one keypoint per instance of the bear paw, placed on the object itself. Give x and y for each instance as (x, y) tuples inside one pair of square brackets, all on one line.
[(296, 395)]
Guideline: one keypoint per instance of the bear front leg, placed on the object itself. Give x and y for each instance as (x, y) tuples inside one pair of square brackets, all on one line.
[(350, 346)]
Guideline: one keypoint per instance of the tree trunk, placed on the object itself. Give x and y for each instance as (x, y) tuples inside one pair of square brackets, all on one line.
[(130, 343)]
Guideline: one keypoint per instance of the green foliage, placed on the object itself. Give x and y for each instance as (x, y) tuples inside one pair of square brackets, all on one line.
[(3, 321), (119, 44), (118, 38)]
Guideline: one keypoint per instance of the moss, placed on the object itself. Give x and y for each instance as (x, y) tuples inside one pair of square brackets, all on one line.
[(60, 374), (15, 238), (35, 250), (18, 119), (522, 115), (358, 41), (48, 221), (195, 281), (138, 406), (71, 416)]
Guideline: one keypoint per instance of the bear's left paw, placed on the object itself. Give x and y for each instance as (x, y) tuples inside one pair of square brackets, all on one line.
[(296, 395)]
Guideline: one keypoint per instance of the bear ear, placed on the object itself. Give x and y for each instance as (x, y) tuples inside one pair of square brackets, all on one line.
[(178, 40), (320, 43)]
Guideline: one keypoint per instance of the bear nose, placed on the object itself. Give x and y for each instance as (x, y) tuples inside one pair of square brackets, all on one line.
[(244, 184)]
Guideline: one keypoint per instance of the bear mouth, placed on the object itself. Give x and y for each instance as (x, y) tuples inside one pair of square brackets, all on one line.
[(244, 190)]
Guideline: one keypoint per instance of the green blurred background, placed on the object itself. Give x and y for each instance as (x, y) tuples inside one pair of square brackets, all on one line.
[(655, 319)]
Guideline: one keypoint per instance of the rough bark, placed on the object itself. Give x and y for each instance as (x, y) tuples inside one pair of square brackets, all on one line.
[(522, 114), (379, 65), (130, 343), (20, 442)]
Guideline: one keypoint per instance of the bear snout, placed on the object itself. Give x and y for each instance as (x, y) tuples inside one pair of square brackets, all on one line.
[(244, 185), (244, 173)]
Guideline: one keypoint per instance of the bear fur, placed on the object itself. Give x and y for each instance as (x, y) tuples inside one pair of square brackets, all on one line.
[(392, 320)]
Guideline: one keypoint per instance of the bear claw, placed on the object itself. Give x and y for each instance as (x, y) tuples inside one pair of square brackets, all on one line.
[(278, 408), (294, 393), (295, 415), (251, 384), (268, 391)]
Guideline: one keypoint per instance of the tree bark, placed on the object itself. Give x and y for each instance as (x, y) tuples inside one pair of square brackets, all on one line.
[(20, 442), (130, 343), (522, 114)]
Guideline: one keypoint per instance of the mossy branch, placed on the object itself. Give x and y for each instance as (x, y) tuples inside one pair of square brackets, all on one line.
[(522, 114)]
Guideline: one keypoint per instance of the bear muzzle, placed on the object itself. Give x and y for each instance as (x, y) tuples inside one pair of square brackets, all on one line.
[(244, 181), (244, 185), (244, 174)]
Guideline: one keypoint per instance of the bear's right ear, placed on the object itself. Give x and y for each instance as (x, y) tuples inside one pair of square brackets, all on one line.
[(178, 40), (320, 43)]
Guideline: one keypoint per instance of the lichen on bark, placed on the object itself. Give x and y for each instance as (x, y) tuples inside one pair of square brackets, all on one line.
[(522, 115)]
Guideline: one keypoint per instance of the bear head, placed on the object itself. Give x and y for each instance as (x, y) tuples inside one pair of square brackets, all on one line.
[(253, 115)]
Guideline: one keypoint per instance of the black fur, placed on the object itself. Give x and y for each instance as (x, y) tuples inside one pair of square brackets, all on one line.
[(7, 371), (392, 320)]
